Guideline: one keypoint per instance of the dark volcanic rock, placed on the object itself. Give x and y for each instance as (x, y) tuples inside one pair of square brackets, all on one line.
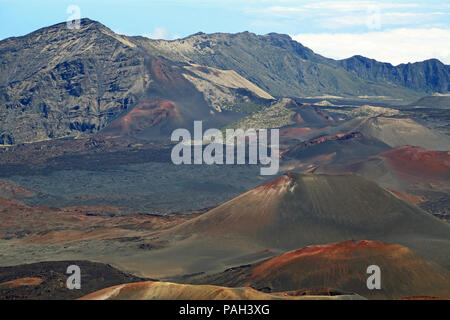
[(57, 82), (428, 76), (50, 280)]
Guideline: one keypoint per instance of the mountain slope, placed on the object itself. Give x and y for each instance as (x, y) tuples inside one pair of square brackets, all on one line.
[(433, 102), (61, 82), (420, 176), (281, 113), (335, 149), (273, 213), (274, 62), (171, 291), (342, 266), (57, 82), (427, 76), (413, 165), (294, 211), (394, 132)]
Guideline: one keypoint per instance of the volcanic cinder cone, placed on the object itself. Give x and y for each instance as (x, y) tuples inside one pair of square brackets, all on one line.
[(395, 132), (407, 169), (150, 290), (295, 211), (343, 266)]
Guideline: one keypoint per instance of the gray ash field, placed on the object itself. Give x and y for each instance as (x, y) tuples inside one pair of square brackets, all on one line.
[(146, 187)]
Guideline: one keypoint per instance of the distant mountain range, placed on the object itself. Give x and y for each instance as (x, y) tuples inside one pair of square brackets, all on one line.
[(426, 76), (57, 82), (284, 67)]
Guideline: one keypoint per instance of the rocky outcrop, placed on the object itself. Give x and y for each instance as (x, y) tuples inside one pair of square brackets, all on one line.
[(284, 67), (58, 82), (427, 76)]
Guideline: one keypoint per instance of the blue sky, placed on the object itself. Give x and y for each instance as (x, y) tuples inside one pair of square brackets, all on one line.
[(391, 31)]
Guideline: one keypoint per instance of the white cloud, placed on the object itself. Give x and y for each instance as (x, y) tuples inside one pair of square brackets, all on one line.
[(384, 18), (160, 33), (335, 7), (277, 11), (348, 6), (335, 15), (395, 46)]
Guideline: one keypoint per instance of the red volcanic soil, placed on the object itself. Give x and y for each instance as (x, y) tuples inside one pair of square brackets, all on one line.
[(417, 162), (339, 136), (322, 150), (417, 175), (151, 290), (317, 141), (12, 191), (164, 74), (144, 115), (21, 282), (310, 169), (334, 251), (410, 198), (343, 266), (52, 225), (299, 119), (295, 210)]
